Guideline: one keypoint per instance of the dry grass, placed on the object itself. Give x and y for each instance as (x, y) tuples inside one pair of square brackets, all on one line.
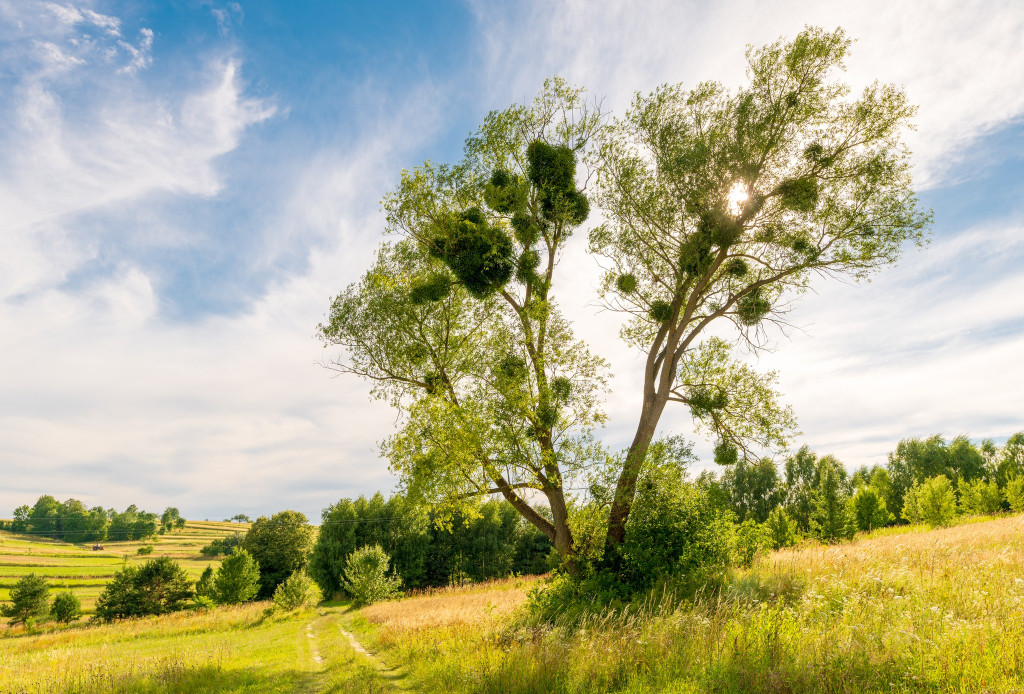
[(468, 605)]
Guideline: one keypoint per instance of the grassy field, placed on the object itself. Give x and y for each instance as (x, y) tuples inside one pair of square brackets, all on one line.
[(906, 610), (902, 610), (85, 572)]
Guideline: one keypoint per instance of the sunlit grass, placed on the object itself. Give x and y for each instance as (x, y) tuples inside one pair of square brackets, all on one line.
[(914, 610)]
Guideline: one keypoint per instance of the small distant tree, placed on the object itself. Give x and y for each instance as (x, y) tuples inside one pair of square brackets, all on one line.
[(1015, 493), (932, 501), (21, 519), (171, 519), (298, 590), (782, 530), (366, 578), (144, 550), (204, 586), (869, 510), (66, 608), (830, 519), (241, 518), (29, 600), (980, 497), (238, 578)]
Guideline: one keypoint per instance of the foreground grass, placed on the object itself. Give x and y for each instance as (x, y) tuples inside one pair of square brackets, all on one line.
[(224, 650), (910, 611)]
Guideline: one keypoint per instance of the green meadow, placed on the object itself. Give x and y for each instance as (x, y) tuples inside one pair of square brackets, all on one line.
[(897, 610)]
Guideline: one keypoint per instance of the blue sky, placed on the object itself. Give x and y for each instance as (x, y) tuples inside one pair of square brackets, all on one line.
[(183, 185)]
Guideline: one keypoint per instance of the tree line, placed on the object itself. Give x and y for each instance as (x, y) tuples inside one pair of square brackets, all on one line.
[(71, 521)]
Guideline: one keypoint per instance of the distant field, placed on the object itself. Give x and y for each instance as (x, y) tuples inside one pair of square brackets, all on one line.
[(85, 572)]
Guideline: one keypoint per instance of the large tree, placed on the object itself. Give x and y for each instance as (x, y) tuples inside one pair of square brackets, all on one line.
[(719, 208), (456, 323), (724, 205)]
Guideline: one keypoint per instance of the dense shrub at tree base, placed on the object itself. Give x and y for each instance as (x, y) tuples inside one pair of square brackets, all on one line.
[(752, 538), (66, 608), (280, 545), (366, 578), (932, 502), (673, 531), (782, 530), (298, 590), (204, 586), (157, 587), (29, 600), (238, 578)]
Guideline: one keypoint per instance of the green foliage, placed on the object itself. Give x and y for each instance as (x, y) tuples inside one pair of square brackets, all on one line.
[(980, 496), (799, 194), (280, 545), (204, 586), (660, 310), (157, 587), (754, 489), (366, 579), (916, 460), (752, 538), (297, 591), (171, 518), (626, 283), (932, 501), (782, 530), (65, 608), (1015, 493), (752, 308), (674, 531), (238, 578), (478, 253), (869, 510), (131, 524), (830, 517), (222, 545), (144, 550), (29, 600), (433, 288)]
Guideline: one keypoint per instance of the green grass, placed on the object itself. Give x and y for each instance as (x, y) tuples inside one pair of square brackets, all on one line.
[(84, 572), (234, 649)]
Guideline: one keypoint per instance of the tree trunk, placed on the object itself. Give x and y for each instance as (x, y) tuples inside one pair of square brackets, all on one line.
[(625, 488)]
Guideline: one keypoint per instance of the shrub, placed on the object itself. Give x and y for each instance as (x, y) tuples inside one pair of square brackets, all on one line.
[(365, 576), (145, 549), (238, 578), (869, 511), (981, 497), (66, 608), (782, 531), (751, 537), (932, 502), (157, 587), (674, 531), (29, 600), (298, 590), (222, 545), (1015, 493)]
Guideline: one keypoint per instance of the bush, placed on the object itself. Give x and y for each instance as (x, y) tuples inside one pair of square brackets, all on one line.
[(869, 511), (1015, 493), (298, 590), (145, 549), (238, 578), (365, 576), (29, 600), (782, 530), (980, 497), (66, 607), (932, 502), (222, 545), (751, 537), (674, 531), (157, 587)]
